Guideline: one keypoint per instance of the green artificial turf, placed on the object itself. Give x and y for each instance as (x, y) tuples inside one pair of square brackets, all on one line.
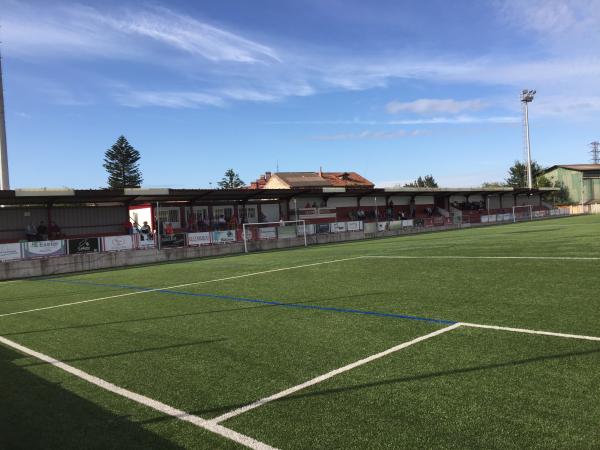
[(212, 346)]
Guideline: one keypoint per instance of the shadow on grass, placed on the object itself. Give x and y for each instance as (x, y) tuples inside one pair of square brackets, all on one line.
[(175, 316), (36, 413), (131, 352), (446, 373)]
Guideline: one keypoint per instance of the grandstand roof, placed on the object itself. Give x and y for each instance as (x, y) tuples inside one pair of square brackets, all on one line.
[(577, 167), (220, 196)]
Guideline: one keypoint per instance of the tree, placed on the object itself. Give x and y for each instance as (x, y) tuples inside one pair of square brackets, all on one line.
[(121, 163), (517, 174), (493, 184), (231, 180), (427, 181)]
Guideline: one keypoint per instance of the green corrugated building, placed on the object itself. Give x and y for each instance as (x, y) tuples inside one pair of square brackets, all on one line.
[(579, 179)]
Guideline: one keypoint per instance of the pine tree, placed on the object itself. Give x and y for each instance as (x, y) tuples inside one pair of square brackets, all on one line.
[(231, 180), (121, 163), (428, 181), (517, 175)]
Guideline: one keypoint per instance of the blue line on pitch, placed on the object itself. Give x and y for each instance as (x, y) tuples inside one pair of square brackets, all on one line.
[(263, 302)]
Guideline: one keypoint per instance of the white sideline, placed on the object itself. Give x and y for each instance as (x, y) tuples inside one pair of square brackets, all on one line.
[(560, 258), (326, 376), (143, 400), (180, 285), (524, 330)]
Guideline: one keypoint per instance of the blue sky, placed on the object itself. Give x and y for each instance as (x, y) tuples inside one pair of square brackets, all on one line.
[(390, 89)]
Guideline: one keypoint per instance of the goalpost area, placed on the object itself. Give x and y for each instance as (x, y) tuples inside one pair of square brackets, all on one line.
[(476, 338)]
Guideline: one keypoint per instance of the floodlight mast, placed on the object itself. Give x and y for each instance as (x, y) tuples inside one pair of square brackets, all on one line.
[(4, 183), (527, 97)]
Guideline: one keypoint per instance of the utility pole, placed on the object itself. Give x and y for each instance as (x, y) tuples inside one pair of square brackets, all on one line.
[(4, 183), (595, 152), (526, 98)]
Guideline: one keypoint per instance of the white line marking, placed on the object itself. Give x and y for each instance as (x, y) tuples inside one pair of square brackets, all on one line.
[(583, 258), (333, 373), (143, 400), (62, 305), (524, 330)]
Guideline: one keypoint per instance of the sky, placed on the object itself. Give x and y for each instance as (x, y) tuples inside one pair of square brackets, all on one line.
[(392, 90)]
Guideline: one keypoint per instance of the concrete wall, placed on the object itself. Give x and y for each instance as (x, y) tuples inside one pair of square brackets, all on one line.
[(109, 260)]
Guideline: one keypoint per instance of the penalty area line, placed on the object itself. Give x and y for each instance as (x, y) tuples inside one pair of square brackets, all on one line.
[(142, 399), (328, 375), (558, 258), (527, 331), (195, 283)]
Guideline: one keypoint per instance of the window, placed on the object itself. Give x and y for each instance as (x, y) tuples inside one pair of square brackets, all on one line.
[(226, 211), (170, 215)]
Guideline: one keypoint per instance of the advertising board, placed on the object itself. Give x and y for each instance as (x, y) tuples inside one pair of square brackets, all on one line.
[(354, 226), (10, 252), (196, 239), (117, 243), (267, 233), (40, 249), (222, 237), (84, 245)]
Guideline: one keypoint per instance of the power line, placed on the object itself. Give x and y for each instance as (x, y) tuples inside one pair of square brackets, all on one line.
[(595, 152)]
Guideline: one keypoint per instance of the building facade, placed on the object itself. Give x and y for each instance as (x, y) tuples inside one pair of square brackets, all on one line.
[(582, 181)]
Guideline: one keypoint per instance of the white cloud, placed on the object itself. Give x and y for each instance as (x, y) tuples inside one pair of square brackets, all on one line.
[(139, 99), (434, 106), (235, 66), (370, 135), (82, 31), (455, 120)]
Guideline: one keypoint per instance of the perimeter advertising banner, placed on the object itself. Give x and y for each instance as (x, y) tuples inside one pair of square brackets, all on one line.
[(196, 239), (338, 227), (117, 243), (10, 252), (267, 233), (221, 237), (287, 232), (84, 245), (354, 226), (41, 249), (172, 240), (322, 228)]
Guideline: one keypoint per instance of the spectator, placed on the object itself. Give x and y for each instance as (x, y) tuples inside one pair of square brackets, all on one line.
[(54, 231), (145, 232), (31, 232), (169, 229), (128, 227), (42, 231), (222, 222)]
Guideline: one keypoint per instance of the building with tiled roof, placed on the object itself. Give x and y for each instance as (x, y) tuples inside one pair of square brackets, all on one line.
[(290, 180)]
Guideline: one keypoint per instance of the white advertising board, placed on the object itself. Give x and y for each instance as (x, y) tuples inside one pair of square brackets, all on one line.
[(195, 239), (381, 226), (117, 243), (408, 223), (44, 248), (338, 227), (267, 233), (10, 252), (221, 237), (354, 226)]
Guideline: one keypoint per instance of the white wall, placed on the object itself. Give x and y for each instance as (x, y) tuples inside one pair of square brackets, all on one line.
[(400, 199), (271, 211), (424, 200), (493, 202), (507, 201), (341, 202), (370, 201)]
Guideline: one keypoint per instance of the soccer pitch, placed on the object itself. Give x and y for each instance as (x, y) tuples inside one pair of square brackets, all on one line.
[(476, 338)]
